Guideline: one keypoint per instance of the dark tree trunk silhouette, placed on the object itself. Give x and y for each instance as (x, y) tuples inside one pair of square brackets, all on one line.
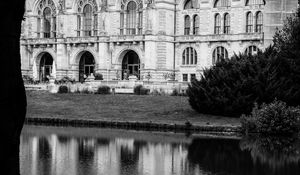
[(12, 92)]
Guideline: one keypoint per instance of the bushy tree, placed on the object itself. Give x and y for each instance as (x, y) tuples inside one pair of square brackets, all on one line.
[(232, 86)]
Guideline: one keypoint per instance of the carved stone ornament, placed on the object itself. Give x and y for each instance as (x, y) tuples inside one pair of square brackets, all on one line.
[(62, 6), (44, 4), (125, 2), (82, 3)]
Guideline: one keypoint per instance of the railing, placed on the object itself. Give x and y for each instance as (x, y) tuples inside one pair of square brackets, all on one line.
[(124, 38), (34, 41), (221, 37)]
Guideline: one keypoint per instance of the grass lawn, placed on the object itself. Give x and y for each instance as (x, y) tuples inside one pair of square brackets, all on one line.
[(158, 109)]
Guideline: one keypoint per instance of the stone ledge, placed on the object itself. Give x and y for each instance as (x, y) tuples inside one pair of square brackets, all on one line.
[(134, 125)]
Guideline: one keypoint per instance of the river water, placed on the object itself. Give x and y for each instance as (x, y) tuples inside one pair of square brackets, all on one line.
[(91, 151)]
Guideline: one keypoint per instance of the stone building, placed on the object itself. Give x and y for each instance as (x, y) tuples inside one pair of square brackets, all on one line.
[(151, 39)]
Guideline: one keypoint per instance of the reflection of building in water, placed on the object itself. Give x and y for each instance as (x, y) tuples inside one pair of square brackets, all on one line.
[(60, 156), (118, 38)]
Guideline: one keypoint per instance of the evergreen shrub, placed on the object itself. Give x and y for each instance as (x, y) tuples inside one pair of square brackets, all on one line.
[(273, 118), (103, 90), (232, 86), (63, 89)]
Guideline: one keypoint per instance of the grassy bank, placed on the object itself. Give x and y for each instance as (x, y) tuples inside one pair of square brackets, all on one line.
[(121, 108)]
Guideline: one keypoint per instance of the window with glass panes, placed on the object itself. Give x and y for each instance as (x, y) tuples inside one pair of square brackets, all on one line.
[(131, 18), (259, 22), (184, 77), (47, 22), (189, 56), (87, 19), (222, 3), (249, 22), (192, 77), (226, 23), (196, 25), (219, 53), (187, 25), (255, 2), (217, 24), (251, 50)]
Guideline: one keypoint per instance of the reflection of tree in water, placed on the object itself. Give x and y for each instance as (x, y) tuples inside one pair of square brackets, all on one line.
[(280, 154), (220, 156), (86, 151), (251, 156), (44, 155)]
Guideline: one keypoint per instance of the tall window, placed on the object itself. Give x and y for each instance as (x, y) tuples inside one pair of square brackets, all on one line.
[(251, 50), (222, 3), (219, 53), (249, 23), (259, 22), (95, 24), (189, 56), (187, 25), (38, 27), (78, 25), (87, 20), (255, 2), (122, 23), (226, 23), (190, 4), (131, 17), (196, 22), (217, 24), (47, 22)]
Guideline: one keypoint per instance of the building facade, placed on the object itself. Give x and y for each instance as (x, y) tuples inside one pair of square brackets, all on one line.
[(152, 39)]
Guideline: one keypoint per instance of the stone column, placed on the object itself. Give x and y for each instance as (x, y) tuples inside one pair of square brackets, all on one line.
[(125, 23), (42, 28), (81, 25)]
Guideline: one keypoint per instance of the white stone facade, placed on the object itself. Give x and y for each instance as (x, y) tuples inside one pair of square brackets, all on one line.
[(157, 35)]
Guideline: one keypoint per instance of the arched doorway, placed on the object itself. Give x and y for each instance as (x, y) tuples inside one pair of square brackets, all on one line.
[(45, 67), (86, 65), (130, 65)]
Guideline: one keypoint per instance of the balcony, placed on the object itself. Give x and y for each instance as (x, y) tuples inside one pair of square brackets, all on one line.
[(126, 38), (39, 41), (79, 40), (220, 38)]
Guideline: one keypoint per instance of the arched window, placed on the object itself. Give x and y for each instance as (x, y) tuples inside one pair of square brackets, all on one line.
[(251, 50), (221, 3), (190, 4), (187, 25), (196, 22), (217, 24), (46, 20), (189, 56), (259, 22), (87, 20), (131, 17), (255, 2), (249, 22), (219, 53), (226, 23)]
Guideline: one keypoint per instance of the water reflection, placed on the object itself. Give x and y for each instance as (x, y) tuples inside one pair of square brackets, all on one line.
[(60, 151)]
